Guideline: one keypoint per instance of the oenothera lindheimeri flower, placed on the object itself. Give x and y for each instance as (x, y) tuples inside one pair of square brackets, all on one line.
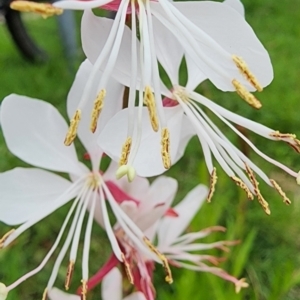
[(112, 289), (149, 208), (33, 130)]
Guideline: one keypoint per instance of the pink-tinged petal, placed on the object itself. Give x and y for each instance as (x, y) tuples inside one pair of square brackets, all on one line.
[(34, 131), (94, 33), (23, 192), (112, 104), (168, 50), (237, 5), (135, 296), (112, 285), (156, 202), (56, 294), (148, 161), (230, 30), (170, 228)]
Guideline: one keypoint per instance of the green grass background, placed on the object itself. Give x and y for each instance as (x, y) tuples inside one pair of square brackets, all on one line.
[(268, 255)]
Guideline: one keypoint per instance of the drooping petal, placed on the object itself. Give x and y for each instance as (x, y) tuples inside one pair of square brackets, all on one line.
[(56, 294), (23, 192), (112, 103), (148, 161), (112, 285), (34, 131), (170, 228)]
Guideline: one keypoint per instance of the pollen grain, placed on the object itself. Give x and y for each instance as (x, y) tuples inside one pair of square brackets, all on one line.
[(149, 101), (72, 132), (98, 106), (165, 148)]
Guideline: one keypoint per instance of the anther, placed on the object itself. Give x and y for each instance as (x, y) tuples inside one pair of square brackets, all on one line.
[(243, 186), (3, 291), (163, 259), (125, 152), (149, 100), (276, 186), (255, 184), (241, 284), (45, 294), (246, 95), (242, 66), (212, 185), (289, 138), (98, 105), (44, 9), (84, 289), (297, 180), (69, 275), (72, 132), (165, 148), (127, 269), (5, 237)]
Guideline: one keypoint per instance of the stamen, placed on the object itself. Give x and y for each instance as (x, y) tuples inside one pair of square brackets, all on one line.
[(289, 138), (241, 64), (125, 152), (127, 269), (5, 237), (241, 284), (44, 9), (69, 275), (276, 186), (84, 289), (243, 186), (297, 180), (165, 148), (45, 294), (255, 184), (71, 135), (246, 95), (163, 259), (98, 105), (212, 185), (149, 100)]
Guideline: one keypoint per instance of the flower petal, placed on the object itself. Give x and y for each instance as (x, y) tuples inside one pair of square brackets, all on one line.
[(34, 131), (170, 228), (135, 296), (237, 5), (112, 285), (56, 294), (23, 192)]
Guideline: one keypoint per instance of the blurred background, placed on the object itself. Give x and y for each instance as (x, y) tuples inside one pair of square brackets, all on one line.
[(268, 254)]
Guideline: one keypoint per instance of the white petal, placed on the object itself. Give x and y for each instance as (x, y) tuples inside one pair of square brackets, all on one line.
[(168, 50), (56, 294), (23, 192), (148, 161), (112, 285), (156, 202), (135, 296), (171, 228), (112, 103), (237, 5), (34, 131), (195, 76), (230, 30)]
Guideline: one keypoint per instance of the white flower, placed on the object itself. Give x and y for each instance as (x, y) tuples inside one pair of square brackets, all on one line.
[(111, 290), (34, 131)]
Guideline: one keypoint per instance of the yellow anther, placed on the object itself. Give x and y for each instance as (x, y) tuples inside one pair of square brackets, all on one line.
[(276, 186), (289, 138), (242, 66), (44, 9), (212, 185), (255, 184), (69, 275), (84, 289), (243, 186), (127, 269), (125, 152), (98, 106), (5, 237), (241, 284), (45, 294), (149, 100), (163, 259), (3, 291), (165, 148), (245, 94), (72, 132)]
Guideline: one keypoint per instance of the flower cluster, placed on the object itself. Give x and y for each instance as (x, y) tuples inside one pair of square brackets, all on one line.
[(120, 107)]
